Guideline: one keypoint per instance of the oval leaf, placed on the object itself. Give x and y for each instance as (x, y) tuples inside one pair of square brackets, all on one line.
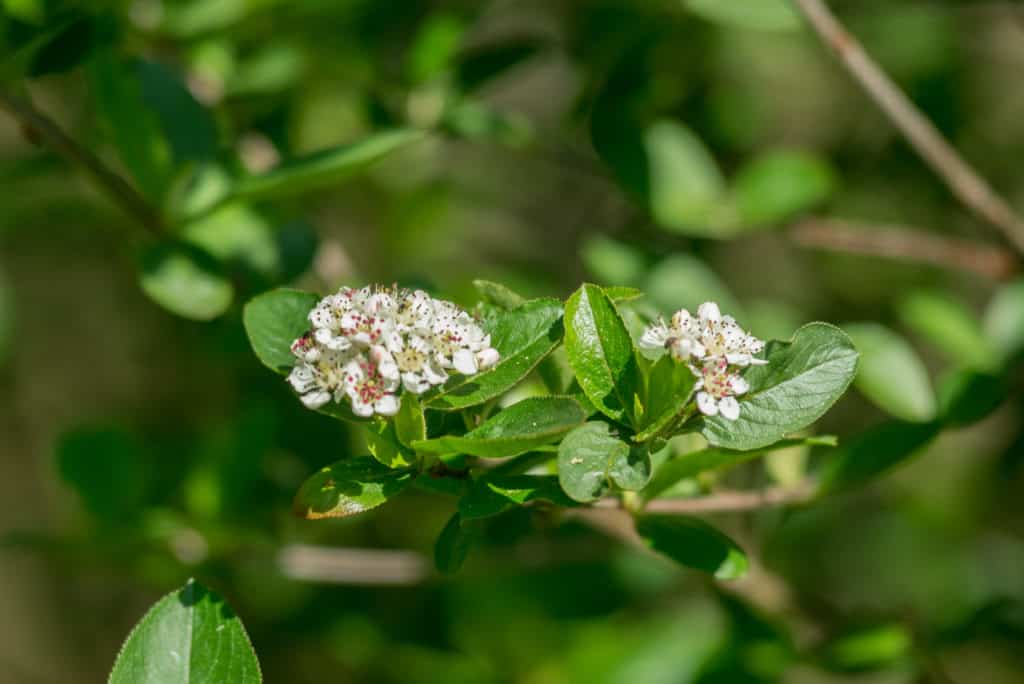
[(801, 380), (185, 280), (275, 319), (498, 493), (600, 351), (891, 374), (779, 185), (454, 543), (516, 430), (348, 487), (523, 337), (190, 635), (590, 458), (325, 168), (693, 543)]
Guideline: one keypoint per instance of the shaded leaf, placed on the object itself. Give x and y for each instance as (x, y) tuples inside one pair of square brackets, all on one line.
[(190, 635), (517, 429), (967, 396), (479, 65), (496, 494), (696, 462), (275, 319), (874, 452), (890, 373), (777, 186), (185, 280), (750, 14), (591, 458), (669, 386), (498, 295), (522, 336), (693, 543), (600, 351), (801, 381), (323, 169), (454, 543), (950, 327), (104, 466), (347, 487)]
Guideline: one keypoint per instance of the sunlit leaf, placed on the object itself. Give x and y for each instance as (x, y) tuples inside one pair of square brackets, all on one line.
[(950, 327), (802, 379), (188, 636), (693, 543), (778, 186), (1004, 319), (600, 351), (771, 15), (515, 430), (273, 321), (523, 336), (348, 487)]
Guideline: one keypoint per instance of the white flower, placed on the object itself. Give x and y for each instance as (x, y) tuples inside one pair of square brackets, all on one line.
[(718, 387), (368, 345), (368, 390), (715, 346)]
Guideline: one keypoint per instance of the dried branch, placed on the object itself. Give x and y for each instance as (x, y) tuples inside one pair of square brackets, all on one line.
[(894, 242), (39, 125), (922, 134), (352, 566)]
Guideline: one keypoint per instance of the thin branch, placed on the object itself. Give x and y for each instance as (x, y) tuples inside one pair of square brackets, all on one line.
[(37, 123), (726, 501), (894, 242), (352, 566), (922, 134)]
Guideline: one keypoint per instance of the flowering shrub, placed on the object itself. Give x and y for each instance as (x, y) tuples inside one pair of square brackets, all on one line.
[(399, 361)]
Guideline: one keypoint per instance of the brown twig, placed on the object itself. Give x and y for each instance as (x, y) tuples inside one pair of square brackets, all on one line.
[(922, 134), (894, 242), (38, 124), (352, 566), (724, 501)]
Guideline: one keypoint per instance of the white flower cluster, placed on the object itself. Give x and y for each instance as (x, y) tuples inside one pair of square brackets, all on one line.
[(370, 343), (714, 346)]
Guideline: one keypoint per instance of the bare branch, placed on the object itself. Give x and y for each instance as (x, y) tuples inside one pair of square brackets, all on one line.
[(38, 124), (895, 242), (351, 566), (922, 134)]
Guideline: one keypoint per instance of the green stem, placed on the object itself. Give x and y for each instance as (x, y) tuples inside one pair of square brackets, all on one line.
[(124, 195)]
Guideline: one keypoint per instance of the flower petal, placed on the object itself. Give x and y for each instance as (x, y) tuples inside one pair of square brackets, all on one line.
[(729, 408), (707, 404)]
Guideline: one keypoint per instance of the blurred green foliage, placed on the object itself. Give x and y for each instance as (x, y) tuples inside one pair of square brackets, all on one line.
[(666, 146)]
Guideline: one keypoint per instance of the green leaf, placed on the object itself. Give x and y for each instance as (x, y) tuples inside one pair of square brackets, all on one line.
[(967, 396), (6, 320), (696, 462), (687, 191), (891, 374), (693, 543), (237, 233), (185, 280), (1004, 319), (189, 635), (133, 127), (410, 423), (874, 452), (70, 45), (498, 295), (496, 494), (187, 125), (517, 429), (619, 293), (768, 15), (478, 66), (949, 326), (275, 319), (801, 381), (682, 281), (669, 387), (600, 351), (613, 262), (454, 543), (384, 445), (779, 185), (323, 169), (885, 646), (522, 336), (434, 46), (591, 458), (104, 466), (347, 487)]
